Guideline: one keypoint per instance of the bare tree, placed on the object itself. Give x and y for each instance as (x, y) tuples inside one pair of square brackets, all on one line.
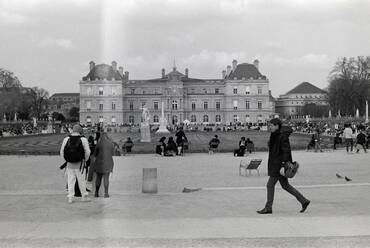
[(8, 79), (349, 85), (39, 98)]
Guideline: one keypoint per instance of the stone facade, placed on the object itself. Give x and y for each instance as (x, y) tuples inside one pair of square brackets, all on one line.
[(63, 103), (292, 103), (240, 95)]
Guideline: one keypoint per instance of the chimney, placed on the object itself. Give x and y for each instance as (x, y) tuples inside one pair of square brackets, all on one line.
[(121, 70), (256, 63), (92, 65), (186, 72), (114, 65), (235, 63), (223, 74), (163, 72), (228, 70), (126, 75)]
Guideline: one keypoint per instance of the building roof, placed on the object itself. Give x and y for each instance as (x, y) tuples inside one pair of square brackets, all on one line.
[(103, 71), (175, 75), (306, 88), (65, 94), (245, 71)]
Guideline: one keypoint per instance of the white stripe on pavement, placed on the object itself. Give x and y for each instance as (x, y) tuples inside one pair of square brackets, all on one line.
[(191, 228), (123, 193)]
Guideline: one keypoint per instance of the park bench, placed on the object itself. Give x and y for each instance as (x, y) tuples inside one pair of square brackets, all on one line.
[(252, 165)]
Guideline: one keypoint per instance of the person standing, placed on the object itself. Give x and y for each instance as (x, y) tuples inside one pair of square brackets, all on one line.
[(361, 140), (180, 140), (348, 136), (75, 150), (279, 154), (103, 163)]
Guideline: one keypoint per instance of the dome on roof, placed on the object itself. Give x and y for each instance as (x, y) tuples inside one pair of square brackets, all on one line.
[(103, 71), (246, 71)]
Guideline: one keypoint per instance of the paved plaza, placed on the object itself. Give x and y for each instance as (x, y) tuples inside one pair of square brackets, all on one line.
[(34, 211)]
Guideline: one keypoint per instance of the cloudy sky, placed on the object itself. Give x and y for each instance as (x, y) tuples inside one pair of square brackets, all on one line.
[(50, 43)]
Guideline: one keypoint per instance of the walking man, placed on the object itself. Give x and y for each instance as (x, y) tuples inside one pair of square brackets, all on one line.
[(75, 150), (279, 153)]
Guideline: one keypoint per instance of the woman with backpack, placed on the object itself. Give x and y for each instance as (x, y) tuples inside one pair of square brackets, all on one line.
[(103, 163)]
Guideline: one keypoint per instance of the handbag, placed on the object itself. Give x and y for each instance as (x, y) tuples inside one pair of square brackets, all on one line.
[(289, 169)]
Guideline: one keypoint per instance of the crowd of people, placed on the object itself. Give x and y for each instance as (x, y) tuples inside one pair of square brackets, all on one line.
[(91, 159), (172, 148)]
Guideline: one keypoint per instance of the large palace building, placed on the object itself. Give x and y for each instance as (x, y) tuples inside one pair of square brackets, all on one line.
[(241, 95)]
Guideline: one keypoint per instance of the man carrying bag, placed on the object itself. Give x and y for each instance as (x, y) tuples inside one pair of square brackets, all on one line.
[(279, 154)]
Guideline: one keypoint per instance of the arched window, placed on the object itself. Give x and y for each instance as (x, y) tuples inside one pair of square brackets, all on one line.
[(155, 119), (218, 118), (236, 118), (205, 118), (131, 119), (193, 118), (174, 105)]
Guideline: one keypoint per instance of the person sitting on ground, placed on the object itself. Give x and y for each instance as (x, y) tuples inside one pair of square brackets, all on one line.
[(127, 146), (242, 146), (311, 144), (249, 145), (213, 144), (361, 141), (171, 149), (161, 146)]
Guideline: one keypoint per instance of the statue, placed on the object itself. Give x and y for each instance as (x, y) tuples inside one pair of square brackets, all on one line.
[(145, 115), (144, 127)]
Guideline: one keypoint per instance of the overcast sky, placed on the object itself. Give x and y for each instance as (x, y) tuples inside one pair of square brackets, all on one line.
[(50, 43)]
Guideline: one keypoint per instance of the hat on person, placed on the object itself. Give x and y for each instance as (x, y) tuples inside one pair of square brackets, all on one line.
[(77, 129)]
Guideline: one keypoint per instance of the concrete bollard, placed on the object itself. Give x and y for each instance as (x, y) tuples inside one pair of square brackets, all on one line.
[(150, 180)]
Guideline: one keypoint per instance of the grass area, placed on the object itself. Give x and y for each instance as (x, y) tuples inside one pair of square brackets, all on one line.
[(50, 144)]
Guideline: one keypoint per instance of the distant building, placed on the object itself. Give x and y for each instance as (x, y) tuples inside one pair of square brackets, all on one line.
[(240, 95), (292, 103), (63, 103)]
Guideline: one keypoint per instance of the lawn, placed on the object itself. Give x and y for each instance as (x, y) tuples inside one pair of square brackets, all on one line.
[(50, 144)]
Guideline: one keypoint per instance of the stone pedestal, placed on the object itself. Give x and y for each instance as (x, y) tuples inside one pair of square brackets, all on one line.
[(49, 128), (150, 184), (162, 126), (145, 132)]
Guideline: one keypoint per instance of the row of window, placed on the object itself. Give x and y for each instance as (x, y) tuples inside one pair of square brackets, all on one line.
[(308, 102), (101, 92), (175, 105), (193, 119), (316, 96)]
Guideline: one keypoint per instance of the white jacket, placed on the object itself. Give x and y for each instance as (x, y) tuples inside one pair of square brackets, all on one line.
[(85, 144)]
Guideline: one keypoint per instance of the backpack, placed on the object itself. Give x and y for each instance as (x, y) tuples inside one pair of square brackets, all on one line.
[(74, 150), (289, 169)]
